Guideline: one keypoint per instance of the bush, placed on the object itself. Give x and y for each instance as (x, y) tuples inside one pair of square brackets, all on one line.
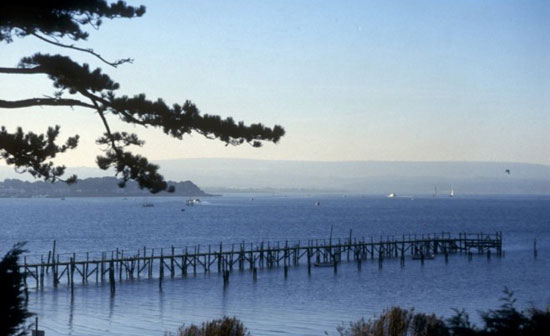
[(505, 321), (397, 322), (226, 326), (508, 321)]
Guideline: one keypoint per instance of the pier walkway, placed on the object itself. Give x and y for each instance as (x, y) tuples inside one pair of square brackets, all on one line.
[(157, 263)]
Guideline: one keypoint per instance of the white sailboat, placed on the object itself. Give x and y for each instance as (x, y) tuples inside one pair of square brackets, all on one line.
[(452, 194)]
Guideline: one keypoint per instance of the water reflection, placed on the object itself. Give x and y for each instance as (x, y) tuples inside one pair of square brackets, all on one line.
[(112, 297), (71, 311)]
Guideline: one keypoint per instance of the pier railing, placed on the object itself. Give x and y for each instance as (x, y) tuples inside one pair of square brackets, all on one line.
[(224, 258)]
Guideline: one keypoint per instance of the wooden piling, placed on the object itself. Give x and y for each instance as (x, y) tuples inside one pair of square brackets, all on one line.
[(42, 266), (54, 269), (48, 261), (71, 281), (112, 276), (172, 270)]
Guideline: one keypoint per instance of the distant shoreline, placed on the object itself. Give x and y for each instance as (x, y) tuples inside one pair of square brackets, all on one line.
[(91, 187)]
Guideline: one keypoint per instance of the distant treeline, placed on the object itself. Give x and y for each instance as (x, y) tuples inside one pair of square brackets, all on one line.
[(90, 187)]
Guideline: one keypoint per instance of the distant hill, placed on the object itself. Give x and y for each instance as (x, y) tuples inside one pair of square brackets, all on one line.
[(96, 187), (365, 177)]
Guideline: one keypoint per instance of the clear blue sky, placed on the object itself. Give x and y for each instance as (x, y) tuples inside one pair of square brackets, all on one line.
[(349, 80)]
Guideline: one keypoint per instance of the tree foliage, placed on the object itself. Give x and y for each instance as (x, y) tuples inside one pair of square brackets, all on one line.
[(504, 321), (80, 85), (13, 310)]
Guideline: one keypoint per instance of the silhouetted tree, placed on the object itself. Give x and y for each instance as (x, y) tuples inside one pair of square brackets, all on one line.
[(506, 320), (13, 310), (77, 85)]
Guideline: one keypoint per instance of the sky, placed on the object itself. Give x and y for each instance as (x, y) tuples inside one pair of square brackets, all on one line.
[(348, 80)]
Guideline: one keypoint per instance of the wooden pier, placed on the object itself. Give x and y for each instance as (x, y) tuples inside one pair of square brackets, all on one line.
[(111, 266)]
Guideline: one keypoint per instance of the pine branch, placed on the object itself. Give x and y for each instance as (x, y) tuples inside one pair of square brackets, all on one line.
[(25, 71), (43, 102), (89, 51)]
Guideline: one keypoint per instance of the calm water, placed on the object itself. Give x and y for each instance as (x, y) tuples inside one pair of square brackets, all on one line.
[(298, 305)]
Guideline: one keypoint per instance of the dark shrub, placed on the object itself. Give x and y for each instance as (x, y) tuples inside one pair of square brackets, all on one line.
[(13, 309), (397, 322), (226, 326)]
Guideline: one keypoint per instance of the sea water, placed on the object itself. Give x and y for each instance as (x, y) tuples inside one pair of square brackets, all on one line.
[(300, 304)]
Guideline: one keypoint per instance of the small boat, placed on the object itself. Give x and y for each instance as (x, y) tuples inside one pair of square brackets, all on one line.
[(148, 205), (191, 202), (452, 194), (392, 195)]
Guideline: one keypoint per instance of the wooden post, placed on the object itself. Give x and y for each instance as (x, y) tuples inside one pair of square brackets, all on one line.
[(207, 268), (172, 263), (371, 248), (262, 254), (54, 267), (197, 251), (85, 268), (53, 252), (112, 276), (71, 281), (151, 260), (309, 260), (184, 265), (138, 263), (102, 265), (42, 272), (349, 242), (161, 268), (48, 261), (120, 264)]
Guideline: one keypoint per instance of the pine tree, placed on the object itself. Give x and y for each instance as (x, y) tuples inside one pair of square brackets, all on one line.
[(13, 309), (79, 86)]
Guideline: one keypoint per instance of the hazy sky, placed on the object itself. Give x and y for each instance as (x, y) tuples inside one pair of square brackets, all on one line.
[(349, 80)]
